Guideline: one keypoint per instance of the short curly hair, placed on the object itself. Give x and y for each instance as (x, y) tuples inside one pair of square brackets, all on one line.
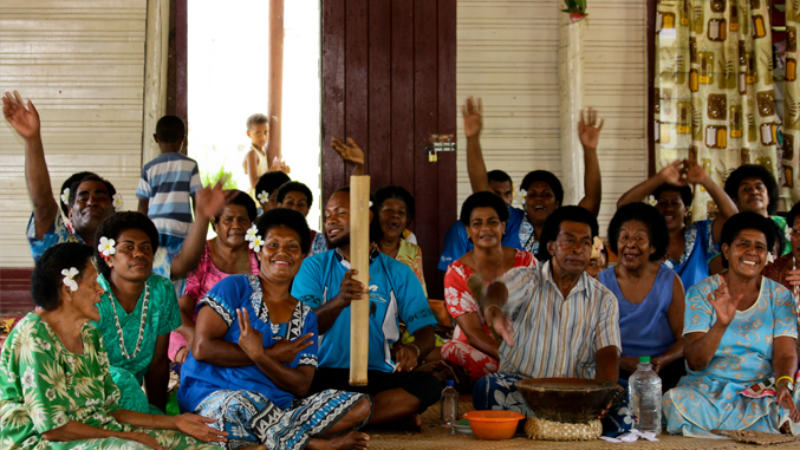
[(74, 181), (552, 226), (295, 186), (792, 215), (288, 218), (115, 224), (271, 181), (685, 192), (650, 217), (753, 171), (483, 199), (747, 221), (46, 279), (242, 199), (548, 177)]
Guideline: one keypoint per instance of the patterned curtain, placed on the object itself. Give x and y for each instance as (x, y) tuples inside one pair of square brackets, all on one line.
[(714, 89), (791, 122)]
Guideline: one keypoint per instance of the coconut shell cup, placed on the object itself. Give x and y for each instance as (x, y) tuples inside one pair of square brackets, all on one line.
[(567, 400)]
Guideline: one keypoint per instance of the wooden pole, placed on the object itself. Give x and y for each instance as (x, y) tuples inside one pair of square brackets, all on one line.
[(359, 259), (275, 79)]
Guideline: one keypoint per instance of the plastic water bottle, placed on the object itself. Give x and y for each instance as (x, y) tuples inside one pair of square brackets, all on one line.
[(644, 387), (449, 406)]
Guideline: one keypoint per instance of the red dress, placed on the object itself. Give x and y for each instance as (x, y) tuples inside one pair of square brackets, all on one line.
[(459, 301)]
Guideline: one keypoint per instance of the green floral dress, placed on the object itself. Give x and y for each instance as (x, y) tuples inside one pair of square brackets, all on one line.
[(43, 386), (162, 316)]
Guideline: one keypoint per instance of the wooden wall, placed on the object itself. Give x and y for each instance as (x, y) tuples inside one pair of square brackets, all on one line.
[(388, 81)]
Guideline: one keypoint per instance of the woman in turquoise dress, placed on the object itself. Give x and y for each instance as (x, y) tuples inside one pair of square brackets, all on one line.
[(740, 330), (138, 309), (255, 353), (55, 388)]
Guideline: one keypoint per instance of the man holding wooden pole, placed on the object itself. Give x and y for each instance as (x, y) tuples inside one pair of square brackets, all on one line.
[(327, 283)]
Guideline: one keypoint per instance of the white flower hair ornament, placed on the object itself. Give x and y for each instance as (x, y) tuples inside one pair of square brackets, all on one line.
[(253, 238), (116, 201), (263, 197), (65, 196), (69, 278), (770, 258), (106, 247)]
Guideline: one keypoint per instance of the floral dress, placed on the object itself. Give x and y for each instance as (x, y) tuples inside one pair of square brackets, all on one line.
[(161, 317), (43, 386), (459, 301), (716, 397)]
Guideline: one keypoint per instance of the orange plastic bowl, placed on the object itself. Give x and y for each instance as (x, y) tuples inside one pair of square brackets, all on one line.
[(493, 424)]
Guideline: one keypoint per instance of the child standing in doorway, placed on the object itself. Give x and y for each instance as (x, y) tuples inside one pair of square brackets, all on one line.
[(256, 160), (168, 185)]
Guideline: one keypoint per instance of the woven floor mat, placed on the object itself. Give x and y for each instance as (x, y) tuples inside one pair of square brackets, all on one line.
[(439, 439), (434, 436)]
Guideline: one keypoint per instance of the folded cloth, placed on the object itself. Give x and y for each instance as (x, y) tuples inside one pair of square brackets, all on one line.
[(632, 436)]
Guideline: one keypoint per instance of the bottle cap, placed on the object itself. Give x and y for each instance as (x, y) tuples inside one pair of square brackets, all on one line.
[(449, 382), (644, 359)]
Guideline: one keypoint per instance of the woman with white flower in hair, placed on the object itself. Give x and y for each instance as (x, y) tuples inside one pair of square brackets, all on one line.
[(255, 353), (55, 388), (138, 309), (229, 252)]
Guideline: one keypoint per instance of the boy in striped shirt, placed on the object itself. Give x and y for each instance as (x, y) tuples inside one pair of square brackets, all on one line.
[(168, 184)]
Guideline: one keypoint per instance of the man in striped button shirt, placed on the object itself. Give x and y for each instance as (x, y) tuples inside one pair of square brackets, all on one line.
[(567, 324)]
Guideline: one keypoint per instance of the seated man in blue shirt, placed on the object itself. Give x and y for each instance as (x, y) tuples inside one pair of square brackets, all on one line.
[(325, 282)]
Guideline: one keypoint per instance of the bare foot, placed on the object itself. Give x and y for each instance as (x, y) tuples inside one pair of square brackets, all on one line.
[(352, 440)]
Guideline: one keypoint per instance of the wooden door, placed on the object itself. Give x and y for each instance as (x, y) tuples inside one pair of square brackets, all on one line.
[(388, 81)]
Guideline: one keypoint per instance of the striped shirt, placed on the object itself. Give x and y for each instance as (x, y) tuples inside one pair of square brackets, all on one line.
[(167, 182), (553, 336)]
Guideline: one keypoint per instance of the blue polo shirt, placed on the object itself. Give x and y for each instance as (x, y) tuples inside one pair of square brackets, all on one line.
[(394, 293)]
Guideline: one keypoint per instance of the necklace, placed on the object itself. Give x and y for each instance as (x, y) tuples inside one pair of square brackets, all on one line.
[(141, 325)]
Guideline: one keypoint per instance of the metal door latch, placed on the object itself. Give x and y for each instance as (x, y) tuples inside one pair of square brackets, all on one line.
[(439, 143)]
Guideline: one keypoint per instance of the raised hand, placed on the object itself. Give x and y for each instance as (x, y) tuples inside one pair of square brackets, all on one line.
[(589, 129), (211, 199), (25, 120), (197, 426), (250, 339), (472, 112), (724, 303), (673, 173), (350, 151), (286, 351), (695, 173), (279, 165)]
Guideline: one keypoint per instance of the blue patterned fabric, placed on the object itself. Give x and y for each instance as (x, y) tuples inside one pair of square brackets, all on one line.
[(699, 249), (711, 398), (58, 234), (199, 379), (250, 417), (497, 391)]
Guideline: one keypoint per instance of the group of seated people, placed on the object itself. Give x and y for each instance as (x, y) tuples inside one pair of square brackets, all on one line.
[(261, 329)]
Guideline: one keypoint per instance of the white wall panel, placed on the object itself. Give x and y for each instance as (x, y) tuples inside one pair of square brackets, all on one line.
[(82, 64), (508, 55)]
